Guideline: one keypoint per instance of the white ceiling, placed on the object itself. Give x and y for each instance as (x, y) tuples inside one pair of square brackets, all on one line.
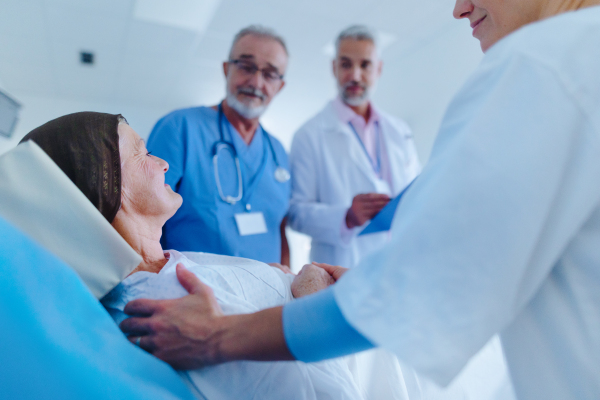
[(150, 55)]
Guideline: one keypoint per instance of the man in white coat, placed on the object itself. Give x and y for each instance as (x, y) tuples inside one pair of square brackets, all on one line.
[(349, 159), (347, 162)]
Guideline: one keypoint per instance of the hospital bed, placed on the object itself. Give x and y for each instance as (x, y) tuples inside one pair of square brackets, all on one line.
[(58, 255)]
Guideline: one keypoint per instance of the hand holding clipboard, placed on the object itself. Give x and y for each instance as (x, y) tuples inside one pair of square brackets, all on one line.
[(383, 220)]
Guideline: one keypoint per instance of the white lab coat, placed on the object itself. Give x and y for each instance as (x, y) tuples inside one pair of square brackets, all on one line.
[(329, 168), (501, 232)]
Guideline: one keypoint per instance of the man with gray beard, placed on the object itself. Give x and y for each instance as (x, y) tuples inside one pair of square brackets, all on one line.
[(233, 176), (350, 159)]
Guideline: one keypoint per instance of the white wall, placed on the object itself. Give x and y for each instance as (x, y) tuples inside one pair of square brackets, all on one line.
[(425, 80), (38, 110)]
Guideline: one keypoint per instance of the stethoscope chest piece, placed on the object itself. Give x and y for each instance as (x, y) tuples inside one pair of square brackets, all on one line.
[(282, 175)]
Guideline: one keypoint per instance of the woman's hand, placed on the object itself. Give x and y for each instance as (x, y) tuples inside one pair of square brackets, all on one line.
[(191, 332), (177, 331), (311, 279)]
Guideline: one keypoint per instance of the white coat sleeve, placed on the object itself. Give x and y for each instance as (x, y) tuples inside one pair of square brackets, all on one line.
[(307, 213), (513, 175)]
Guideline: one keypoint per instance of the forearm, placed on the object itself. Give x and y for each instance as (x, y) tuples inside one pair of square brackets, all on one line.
[(285, 248), (258, 336)]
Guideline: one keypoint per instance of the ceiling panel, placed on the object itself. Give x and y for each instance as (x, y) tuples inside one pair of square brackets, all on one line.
[(232, 15), (25, 69), (153, 40), (27, 78), (198, 84), (22, 50), (81, 81), (23, 18), (74, 25), (332, 9), (193, 15), (72, 30), (147, 80), (114, 7), (213, 46), (412, 23)]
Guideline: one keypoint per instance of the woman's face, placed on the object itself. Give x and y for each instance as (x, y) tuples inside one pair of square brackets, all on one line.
[(491, 20), (143, 187)]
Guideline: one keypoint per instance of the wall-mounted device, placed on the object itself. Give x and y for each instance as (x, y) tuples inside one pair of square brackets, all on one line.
[(86, 57), (9, 114)]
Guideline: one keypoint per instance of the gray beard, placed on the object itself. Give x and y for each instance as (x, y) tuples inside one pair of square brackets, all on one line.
[(244, 110), (356, 101)]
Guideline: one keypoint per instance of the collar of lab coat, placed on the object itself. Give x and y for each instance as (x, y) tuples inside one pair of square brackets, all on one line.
[(346, 114), (394, 147)]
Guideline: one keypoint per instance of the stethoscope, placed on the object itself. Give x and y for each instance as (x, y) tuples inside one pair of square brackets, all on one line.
[(281, 174)]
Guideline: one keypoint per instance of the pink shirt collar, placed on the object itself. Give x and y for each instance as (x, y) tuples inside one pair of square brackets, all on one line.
[(346, 114)]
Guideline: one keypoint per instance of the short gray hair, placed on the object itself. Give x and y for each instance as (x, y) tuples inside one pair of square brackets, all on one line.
[(356, 32), (259, 31)]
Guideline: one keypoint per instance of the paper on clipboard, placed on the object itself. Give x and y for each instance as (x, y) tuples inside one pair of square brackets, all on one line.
[(382, 221)]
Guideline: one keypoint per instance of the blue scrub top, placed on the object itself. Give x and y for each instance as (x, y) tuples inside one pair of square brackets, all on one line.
[(185, 139)]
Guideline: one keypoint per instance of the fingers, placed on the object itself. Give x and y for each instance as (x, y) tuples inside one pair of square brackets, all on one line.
[(141, 307), (372, 205), (329, 268), (287, 270), (378, 196), (335, 271), (366, 206), (135, 326), (143, 342), (282, 267), (189, 281), (372, 197)]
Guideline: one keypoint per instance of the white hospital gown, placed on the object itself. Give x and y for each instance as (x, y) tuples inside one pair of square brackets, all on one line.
[(240, 286)]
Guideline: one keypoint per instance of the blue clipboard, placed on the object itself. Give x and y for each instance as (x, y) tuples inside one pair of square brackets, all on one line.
[(382, 221)]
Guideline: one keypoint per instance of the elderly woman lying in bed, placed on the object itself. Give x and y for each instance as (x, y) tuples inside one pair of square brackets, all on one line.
[(109, 163)]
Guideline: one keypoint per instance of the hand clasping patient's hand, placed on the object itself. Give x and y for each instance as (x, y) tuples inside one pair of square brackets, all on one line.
[(311, 279), (178, 331), (335, 271)]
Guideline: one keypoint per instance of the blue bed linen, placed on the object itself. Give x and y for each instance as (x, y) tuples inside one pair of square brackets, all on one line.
[(315, 329), (56, 340)]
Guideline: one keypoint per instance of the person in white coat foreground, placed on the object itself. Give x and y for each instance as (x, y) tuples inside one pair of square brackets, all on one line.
[(349, 159), (499, 234)]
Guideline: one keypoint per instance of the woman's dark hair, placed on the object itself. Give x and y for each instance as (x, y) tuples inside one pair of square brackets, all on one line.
[(85, 146)]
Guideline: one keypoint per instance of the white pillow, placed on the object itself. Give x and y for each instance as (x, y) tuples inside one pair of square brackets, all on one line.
[(40, 200)]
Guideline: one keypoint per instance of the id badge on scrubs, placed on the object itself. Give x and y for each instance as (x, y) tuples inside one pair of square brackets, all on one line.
[(251, 223)]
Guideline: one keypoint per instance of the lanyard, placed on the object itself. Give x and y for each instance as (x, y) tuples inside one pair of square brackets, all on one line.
[(376, 165)]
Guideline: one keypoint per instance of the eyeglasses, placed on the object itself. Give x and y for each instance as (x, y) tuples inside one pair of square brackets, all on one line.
[(248, 68)]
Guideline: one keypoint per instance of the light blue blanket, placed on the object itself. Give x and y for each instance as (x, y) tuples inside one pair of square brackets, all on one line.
[(56, 340)]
